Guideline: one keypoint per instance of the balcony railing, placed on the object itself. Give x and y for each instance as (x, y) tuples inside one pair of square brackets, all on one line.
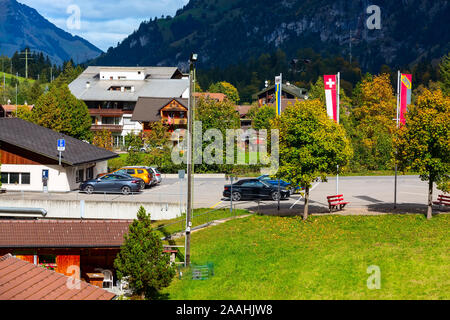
[(107, 127), (176, 121), (106, 112)]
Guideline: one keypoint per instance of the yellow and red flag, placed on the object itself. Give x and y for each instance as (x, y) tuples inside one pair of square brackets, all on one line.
[(405, 95)]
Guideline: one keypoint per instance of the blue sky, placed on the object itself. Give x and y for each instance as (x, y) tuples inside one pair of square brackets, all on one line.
[(104, 23)]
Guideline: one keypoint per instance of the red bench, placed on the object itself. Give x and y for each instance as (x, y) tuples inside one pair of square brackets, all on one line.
[(336, 202), (442, 200)]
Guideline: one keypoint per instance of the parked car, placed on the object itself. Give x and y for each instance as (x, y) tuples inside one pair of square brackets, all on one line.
[(254, 189), (157, 175), (138, 172), (119, 183), (266, 178)]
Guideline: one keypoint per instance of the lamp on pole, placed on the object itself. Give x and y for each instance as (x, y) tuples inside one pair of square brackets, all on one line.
[(190, 163)]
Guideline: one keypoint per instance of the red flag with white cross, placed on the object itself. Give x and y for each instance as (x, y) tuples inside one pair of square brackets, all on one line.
[(331, 95)]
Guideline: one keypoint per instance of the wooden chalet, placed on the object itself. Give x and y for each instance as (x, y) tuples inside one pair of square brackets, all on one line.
[(64, 245), (172, 112)]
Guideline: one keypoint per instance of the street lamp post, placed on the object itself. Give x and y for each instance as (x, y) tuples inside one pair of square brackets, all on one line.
[(190, 163)]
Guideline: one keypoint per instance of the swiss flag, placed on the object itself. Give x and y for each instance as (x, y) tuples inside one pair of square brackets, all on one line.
[(331, 95)]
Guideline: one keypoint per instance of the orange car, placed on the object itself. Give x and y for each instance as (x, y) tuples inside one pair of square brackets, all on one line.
[(137, 172)]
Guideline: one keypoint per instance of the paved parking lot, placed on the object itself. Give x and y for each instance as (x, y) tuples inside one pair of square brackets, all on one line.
[(367, 193)]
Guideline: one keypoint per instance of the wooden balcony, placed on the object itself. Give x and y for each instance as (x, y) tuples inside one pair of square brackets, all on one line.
[(106, 112), (176, 121), (107, 127)]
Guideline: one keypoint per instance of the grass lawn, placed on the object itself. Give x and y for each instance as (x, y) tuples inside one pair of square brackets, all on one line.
[(261, 257), (200, 217), (9, 76)]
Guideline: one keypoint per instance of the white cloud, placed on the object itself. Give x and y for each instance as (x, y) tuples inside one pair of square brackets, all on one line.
[(104, 23)]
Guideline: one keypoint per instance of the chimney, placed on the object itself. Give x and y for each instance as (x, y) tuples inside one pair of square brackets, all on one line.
[(88, 85)]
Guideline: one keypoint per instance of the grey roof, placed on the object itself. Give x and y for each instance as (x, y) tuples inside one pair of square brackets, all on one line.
[(159, 83), (43, 141), (147, 109)]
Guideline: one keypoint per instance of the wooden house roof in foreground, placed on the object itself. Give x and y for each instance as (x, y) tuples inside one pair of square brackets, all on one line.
[(62, 233), (21, 280)]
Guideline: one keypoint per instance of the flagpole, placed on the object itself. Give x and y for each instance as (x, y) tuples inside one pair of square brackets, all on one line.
[(397, 119), (279, 113), (337, 118)]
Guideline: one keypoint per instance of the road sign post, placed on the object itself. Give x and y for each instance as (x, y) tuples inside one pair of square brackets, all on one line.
[(61, 147)]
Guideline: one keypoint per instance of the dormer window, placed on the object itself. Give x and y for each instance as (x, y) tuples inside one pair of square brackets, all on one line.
[(121, 88)]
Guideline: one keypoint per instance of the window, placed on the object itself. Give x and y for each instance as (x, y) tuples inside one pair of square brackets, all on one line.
[(48, 262), (90, 173), (111, 120), (14, 178), (130, 171), (140, 171), (25, 178), (79, 177), (4, 177)]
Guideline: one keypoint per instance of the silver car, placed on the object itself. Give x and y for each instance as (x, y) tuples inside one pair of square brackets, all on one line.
[(157, 177)]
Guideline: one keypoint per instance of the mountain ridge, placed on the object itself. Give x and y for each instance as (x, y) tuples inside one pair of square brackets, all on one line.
[(226, 32), (22, 26)]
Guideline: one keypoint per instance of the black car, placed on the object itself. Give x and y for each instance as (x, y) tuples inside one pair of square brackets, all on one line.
[(115, 183), (254, 189)]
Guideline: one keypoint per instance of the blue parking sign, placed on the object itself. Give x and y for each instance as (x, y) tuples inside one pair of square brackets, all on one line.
[(61, 145)]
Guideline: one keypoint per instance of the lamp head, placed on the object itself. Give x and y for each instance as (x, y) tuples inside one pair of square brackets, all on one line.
[(194, 57)]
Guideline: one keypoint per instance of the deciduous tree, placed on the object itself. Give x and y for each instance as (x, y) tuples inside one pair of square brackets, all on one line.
[(226, 88), (262, 117), (103, 139), (374, 115), (311, 145), (423, 143)]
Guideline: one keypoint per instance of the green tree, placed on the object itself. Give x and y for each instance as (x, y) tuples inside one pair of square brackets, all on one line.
[(262, 117), (423, 143), (141, 260), (24, 113), (69, 74), (157, 143), (226, 88), (61, 111), (134, 142), (317, 90), (216, 115), (374, 111), (445, 74), (34, 93), (311, 145)]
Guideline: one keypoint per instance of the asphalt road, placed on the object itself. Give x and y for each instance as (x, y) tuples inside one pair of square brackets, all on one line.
[(374, 193)]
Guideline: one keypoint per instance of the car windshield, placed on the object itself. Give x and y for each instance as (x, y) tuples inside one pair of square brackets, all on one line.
[(264, 178)]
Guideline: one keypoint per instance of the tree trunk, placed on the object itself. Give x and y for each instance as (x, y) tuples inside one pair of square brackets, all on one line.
[(305, 211), (430, 199)]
